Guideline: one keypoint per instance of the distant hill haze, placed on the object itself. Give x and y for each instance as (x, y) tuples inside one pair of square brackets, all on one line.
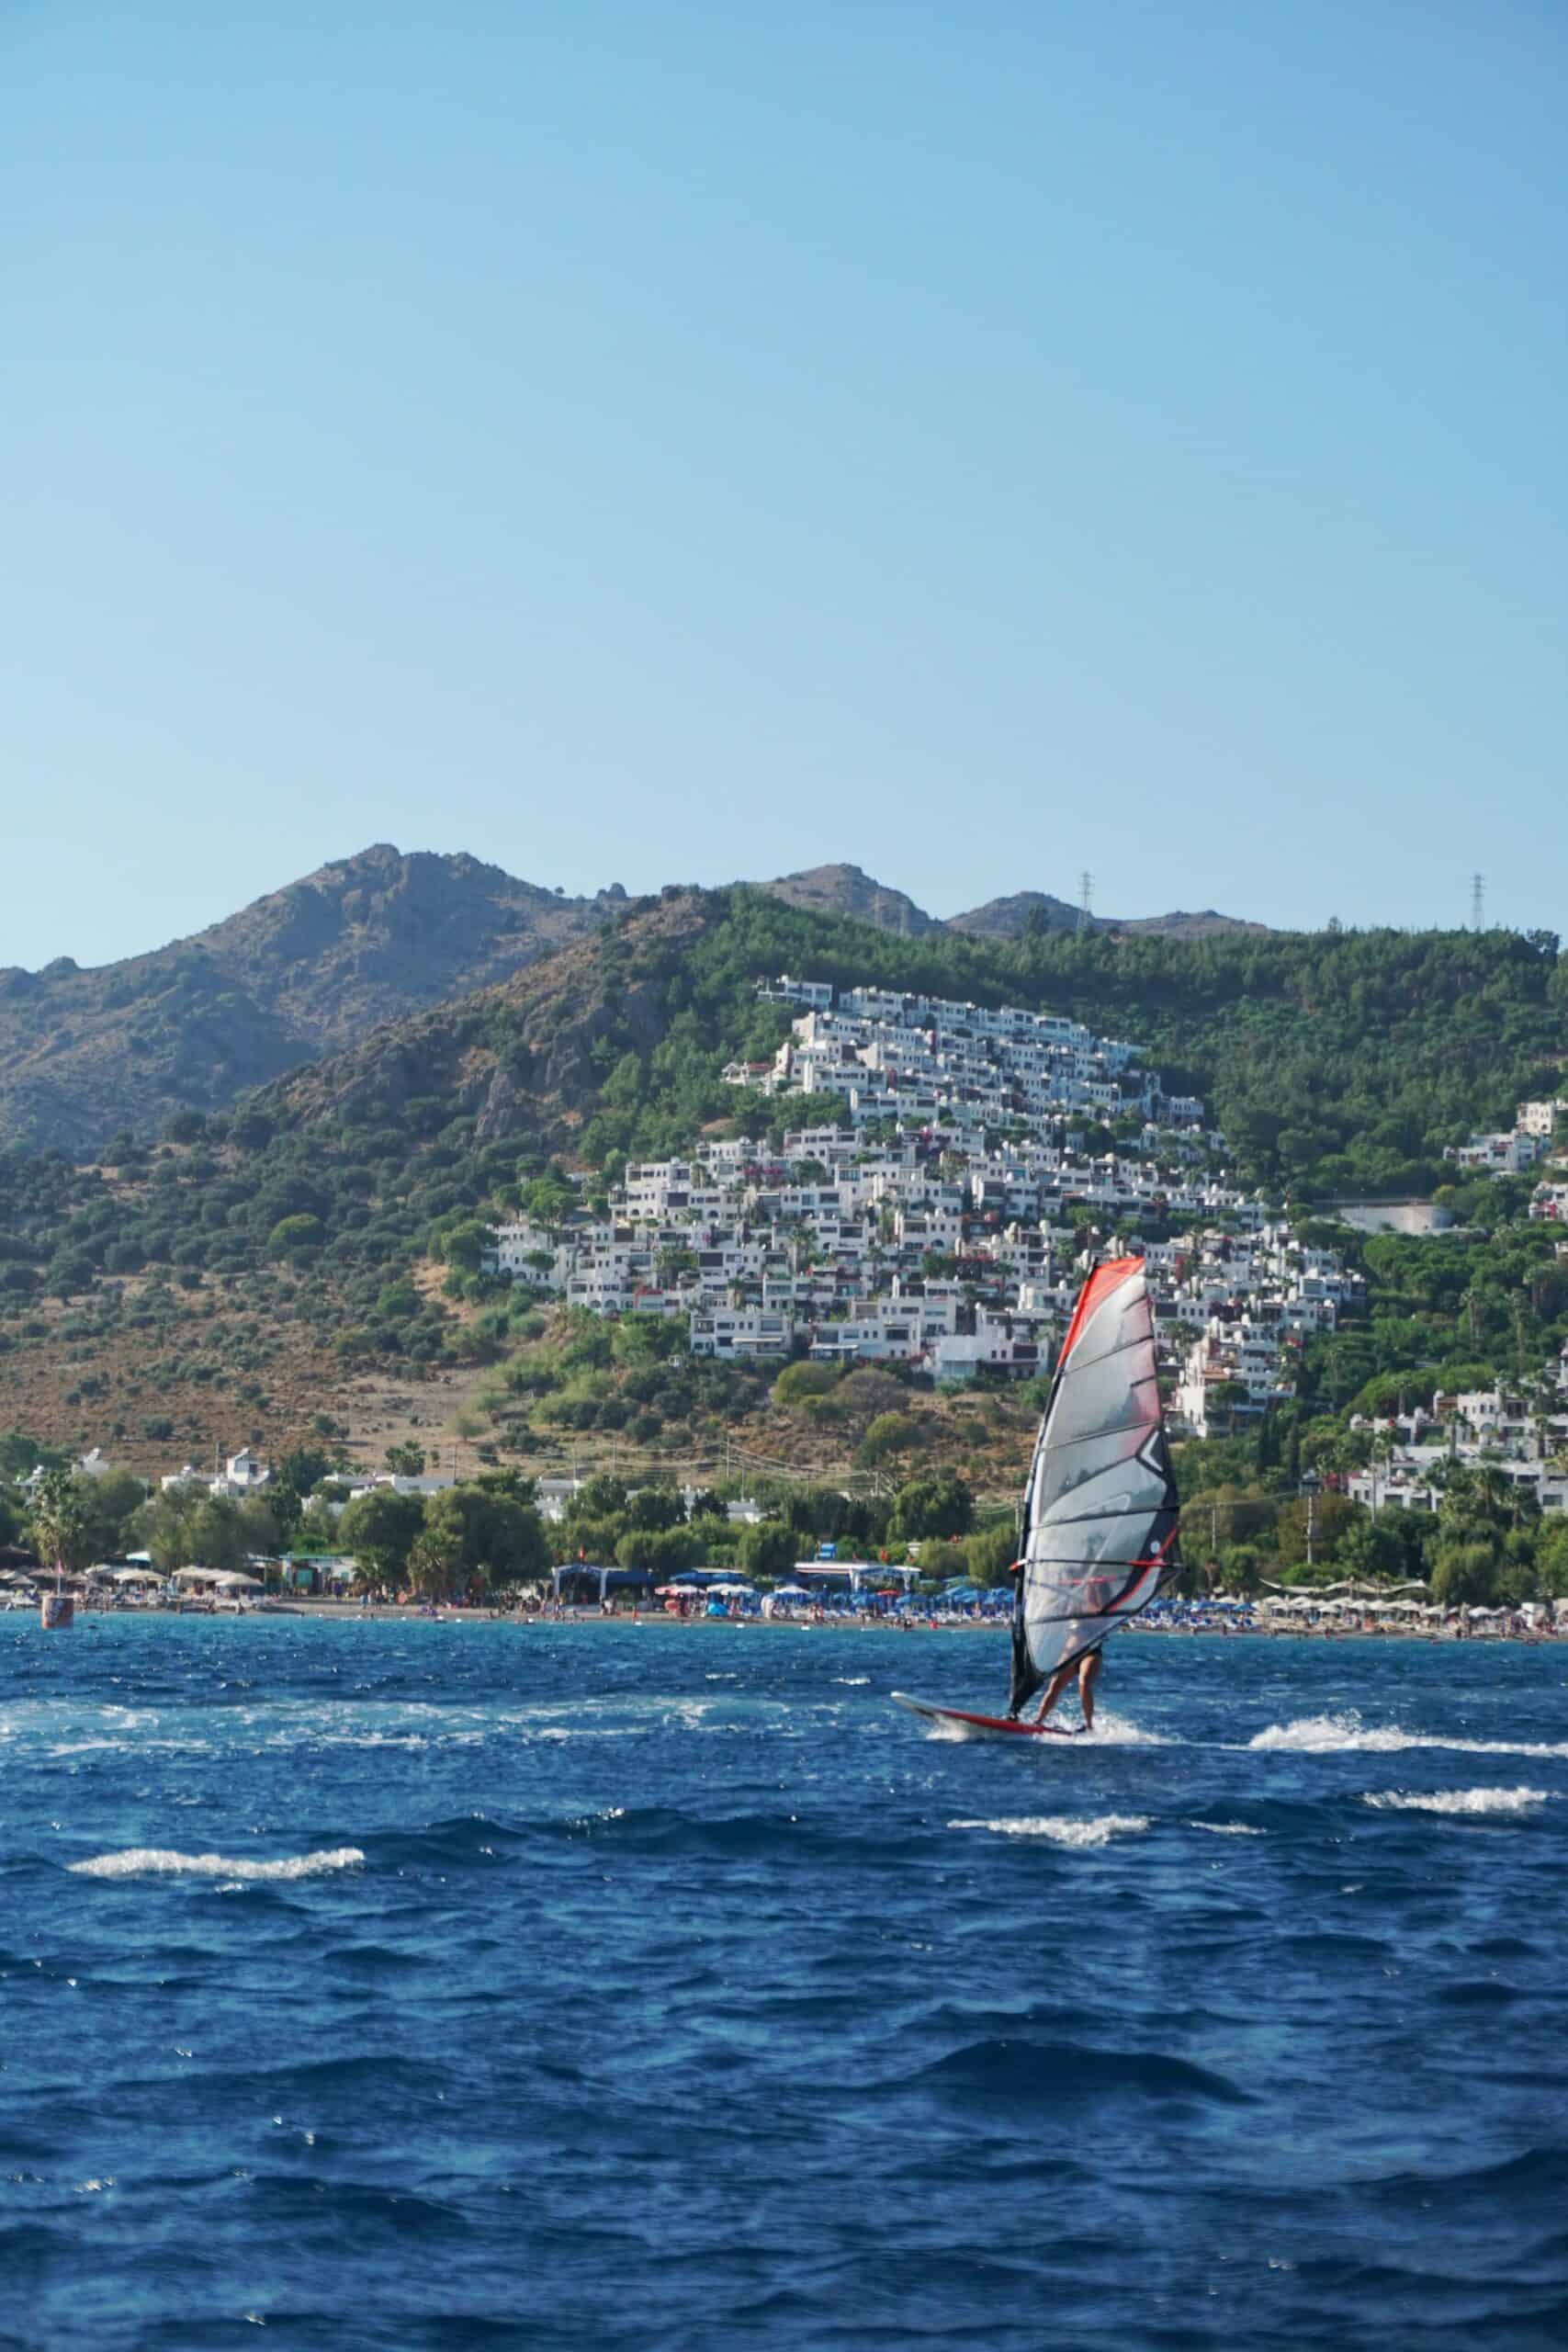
[(314, 968), (845, 890)]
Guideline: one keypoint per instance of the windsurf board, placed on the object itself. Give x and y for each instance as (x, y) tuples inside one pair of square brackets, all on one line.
[(976, 1726)]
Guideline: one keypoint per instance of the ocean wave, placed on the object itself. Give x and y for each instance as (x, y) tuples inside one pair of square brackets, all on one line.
[(1005, 2066), (1347, 1734), (1227, 1828), (1061, 1828), (1112, 1730), (154, 1862), (1478, 1803), (457, 1841)]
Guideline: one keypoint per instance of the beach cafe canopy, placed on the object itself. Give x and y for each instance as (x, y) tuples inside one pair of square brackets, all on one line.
[(237, 1582), (577, 1577), (729, 1591), (199, 1575), (853, 1573), (790, 1592), (135, 1575)]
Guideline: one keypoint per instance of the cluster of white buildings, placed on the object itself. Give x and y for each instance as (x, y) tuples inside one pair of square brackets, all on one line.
[(924, 1060), (241, 1475), (1522, 1436), (941, 1237), (1246, 1303), (1513, 1150), (1549, 1201)]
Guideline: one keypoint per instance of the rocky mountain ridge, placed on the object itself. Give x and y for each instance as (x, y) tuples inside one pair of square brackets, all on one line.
[(89, 1054)]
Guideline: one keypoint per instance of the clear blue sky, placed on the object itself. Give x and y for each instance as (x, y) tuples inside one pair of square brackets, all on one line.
[(644, 443)]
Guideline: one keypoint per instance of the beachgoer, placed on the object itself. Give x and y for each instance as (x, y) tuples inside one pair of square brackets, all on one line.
[(1087, 1668)]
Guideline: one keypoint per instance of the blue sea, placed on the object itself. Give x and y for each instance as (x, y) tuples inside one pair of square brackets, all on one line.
[(501, 1985)]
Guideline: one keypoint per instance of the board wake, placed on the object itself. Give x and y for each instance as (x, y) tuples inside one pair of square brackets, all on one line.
[(974, 1726)]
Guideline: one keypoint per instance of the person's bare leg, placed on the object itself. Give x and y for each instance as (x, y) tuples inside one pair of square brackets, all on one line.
[(1053, 1691), (1087, 1675)]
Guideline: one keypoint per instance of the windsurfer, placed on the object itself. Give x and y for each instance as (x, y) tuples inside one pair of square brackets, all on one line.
[(1087, 1668)]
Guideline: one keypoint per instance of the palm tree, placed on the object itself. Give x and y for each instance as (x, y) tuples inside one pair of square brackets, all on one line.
[(1494, 1488), (60, 1521)]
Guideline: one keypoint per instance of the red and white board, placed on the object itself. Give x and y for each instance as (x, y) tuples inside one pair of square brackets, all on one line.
[(969, 1726)]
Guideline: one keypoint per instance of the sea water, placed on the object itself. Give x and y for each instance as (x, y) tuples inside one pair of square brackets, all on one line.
[(658, 1986)]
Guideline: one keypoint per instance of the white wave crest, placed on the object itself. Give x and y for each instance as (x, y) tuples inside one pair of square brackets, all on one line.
[(1497, 1803), (1346, 1734), (1061, 1828), (1112, 1730), (152, 1862), (1227, 1828)]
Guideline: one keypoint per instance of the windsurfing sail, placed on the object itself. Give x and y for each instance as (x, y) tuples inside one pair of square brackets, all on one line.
[(1099, 1511)]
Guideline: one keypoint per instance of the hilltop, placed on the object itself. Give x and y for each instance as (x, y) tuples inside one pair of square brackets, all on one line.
[(1035, 911), (86, 1054), (846, 890)]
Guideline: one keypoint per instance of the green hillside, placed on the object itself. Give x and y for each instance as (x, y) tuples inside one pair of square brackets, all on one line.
[(218, 1282)]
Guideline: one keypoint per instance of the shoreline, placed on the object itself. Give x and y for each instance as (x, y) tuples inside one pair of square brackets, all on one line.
[(415, 1613)]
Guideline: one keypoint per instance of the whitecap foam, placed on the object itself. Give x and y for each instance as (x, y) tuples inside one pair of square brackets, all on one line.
[(1476, 1803), (1227, 1828), (1061, 1828), (1109, 1731), (1112, 1730), (1347, 1734), (156, 1861)]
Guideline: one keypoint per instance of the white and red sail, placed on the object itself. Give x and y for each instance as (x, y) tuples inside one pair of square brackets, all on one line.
[(1100, 1508)]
